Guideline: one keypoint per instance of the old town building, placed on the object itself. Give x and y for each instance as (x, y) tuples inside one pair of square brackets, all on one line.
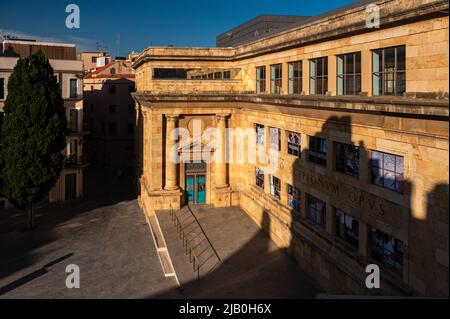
[(69, 72), (356, 118), (110, 114)]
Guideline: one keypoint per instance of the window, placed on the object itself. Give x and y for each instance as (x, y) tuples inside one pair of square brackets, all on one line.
[(261, 79), (388, 171), (2, 88), (204, 76), (389, 71), (260, 178), (318, 150), (131, 88), (112, 71), (94, 59), (318, 76), (293, 198), (349, 74), (347, 159), (316, 211), (112, 89), (73, 88), (387, 250), (295, 77), (218, 76), (227, 75), (210, 76), (275, 187), (260, 131), (275, 139), (112, 109), (112, 129), (294, 144), (276, 76), (347, 228)]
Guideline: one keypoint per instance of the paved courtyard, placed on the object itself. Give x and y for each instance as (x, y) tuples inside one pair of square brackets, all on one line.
[(251, 266), (106, 235)]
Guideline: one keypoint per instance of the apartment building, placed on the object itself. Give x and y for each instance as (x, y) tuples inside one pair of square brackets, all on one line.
[(93, 60), (110, 114), (357, 118), (69, 72)]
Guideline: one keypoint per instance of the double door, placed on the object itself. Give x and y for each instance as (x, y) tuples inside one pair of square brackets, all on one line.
[(196, 188)]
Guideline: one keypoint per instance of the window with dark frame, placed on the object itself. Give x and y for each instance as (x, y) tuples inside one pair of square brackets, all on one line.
[(227, 75), (261, 79), (318, 76), (73, 91), (295, 70), (218, 76), (294, 144), (387, 250), (94, 59), (346, 159), (349, 74), (275, 187), (347, 228), (293, 198), (389, 71), (276, 79), (260, 178), (317, 150), (388, 171), (316, 211)]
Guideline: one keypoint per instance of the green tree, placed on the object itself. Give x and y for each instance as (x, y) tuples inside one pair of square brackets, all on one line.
[(32, 133)]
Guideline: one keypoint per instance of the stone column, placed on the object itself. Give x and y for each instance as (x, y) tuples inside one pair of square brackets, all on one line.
[(171, 165), (221, 165)]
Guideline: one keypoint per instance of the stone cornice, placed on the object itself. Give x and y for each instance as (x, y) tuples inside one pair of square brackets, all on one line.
[(400, 106)]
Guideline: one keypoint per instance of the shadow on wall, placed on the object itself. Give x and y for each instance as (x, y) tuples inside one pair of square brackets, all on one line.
[(342, 223)]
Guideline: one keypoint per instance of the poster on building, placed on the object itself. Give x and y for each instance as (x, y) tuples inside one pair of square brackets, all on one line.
[(294, 144)]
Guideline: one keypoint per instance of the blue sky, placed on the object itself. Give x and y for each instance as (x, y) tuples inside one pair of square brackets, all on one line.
[(143, 23)]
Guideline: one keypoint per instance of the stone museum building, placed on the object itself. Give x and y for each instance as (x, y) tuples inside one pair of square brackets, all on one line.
[(354, 119)]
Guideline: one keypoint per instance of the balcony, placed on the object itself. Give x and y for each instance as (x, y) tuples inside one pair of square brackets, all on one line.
[(75, 161)]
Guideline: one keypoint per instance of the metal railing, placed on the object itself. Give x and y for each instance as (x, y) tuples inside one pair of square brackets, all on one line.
[(184, 231)]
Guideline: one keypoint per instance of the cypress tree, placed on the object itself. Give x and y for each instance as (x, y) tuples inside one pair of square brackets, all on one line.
[(32, 133)]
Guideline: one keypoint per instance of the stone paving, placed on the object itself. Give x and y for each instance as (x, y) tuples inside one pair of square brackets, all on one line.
[(106, 236), (252, 265)]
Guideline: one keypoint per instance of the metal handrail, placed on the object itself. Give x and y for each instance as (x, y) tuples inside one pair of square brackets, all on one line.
[(187, 242)]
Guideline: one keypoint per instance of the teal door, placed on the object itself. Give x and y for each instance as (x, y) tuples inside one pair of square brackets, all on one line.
[(190, 180), (196, 188), (201, 189)]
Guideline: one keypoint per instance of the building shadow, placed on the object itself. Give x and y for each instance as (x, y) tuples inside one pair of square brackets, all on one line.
[(383, 216)]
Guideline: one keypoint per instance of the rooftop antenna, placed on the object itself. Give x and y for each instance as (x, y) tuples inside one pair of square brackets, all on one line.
[(118, 45)]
